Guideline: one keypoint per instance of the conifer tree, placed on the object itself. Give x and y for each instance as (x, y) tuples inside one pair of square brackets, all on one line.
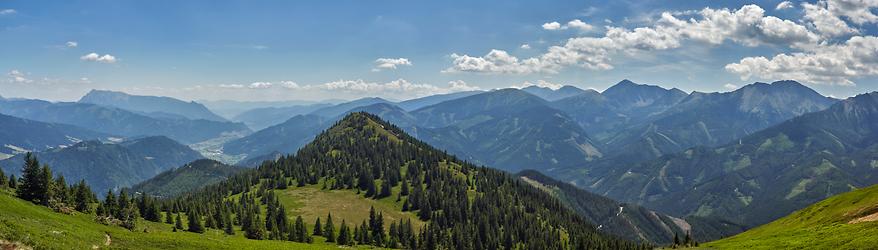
[(2, 178), (29, 188), (329, 230), (179, 222), (256, 229), (318, 229), (46, 189), (300, 230), (344, 234), (194, 222), (82, 196), (169, 218), (13, 182)]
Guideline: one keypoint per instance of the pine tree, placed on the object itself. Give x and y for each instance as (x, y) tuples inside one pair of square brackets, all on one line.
[(426, 212), (393, 240), (62, 192), (256, 229), (46, 190), (82, 197), (13, 182), (3, 179), (169, 218), (300, 230), (676, 240), (194, 222), (179, 222), (29, 188), (404, 187), (329, 230), (344, 234), (318, 229), (385, 190)]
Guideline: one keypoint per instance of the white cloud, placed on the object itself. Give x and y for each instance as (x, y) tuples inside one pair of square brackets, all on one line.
[(17, 76), (833, 64), (390, 63), (730, 86), (580, 25), (289, 84), (231, 86), (552, 26), (95, 57), (572, 24), (784, 5), (858, 11), (828, 24), (460, 85), (71, 44), (540, 83), (525, 46), (747, 26), (259, 85), (7, 12)]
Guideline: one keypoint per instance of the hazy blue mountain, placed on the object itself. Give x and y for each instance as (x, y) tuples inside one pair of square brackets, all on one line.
[(554, 94), (389, 112), (711, 119), (759, 177), (593, 112), (186, 178), (641, 100), (18, 135), (286, 137), (118, 121), (260, 118), (155, 106), (509, 129), (626, 220), (339, 109), (230, 108), (106, 165), (417, 103)]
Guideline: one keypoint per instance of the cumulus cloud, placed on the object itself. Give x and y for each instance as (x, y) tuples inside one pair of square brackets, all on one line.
[(259, 85), (17, 76), (580, 25), (525, 46), (552, 26), (390, 63), (572, 24), (95, 57), (730, 86), (400, 88), (825, 22), (539, 83), (7, 12), (747, 26), (71, 44), (858, 11), (827, 64), (784, 5)]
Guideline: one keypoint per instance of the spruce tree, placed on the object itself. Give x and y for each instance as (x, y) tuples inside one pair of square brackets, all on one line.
[(82, 197), (13, 182), (179, 222), (344, 235), (2, 178), (329, 230), (318, 229), (29, 188), (46, 189), (169, 218), (256, 230), (195, 225), (301, 231)]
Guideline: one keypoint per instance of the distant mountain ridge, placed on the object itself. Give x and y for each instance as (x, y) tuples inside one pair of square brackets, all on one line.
[(107, 166), (759, 177), (18, 135), (155, 106), (549, 94), (117, 121)]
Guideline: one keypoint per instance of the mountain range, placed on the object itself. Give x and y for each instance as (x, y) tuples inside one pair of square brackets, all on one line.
[(107, 166), (154, 106), (119, 122), (759, 177), (19, 135)]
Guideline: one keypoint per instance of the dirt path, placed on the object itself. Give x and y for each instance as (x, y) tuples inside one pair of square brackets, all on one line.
[(871, 217)]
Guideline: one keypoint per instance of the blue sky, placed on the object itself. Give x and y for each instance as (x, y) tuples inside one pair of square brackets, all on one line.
[(312, 50)]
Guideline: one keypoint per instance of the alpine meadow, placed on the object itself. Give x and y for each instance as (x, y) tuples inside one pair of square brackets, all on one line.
[(464, 125)]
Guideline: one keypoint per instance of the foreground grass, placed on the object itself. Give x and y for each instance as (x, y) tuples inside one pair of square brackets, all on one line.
[(824, 225), (41, 228)]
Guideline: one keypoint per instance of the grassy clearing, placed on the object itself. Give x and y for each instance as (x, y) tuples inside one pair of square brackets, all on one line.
[(312, 201), (824, 225), (41, 228)]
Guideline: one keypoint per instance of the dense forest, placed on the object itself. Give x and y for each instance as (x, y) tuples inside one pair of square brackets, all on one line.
[(466, 207)]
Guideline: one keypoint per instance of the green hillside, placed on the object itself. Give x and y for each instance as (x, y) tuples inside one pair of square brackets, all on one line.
[(845, 221), (29, 225), (187, 178)]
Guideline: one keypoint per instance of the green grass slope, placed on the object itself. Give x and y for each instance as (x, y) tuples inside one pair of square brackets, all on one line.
[(39, 227), (839, 222)]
